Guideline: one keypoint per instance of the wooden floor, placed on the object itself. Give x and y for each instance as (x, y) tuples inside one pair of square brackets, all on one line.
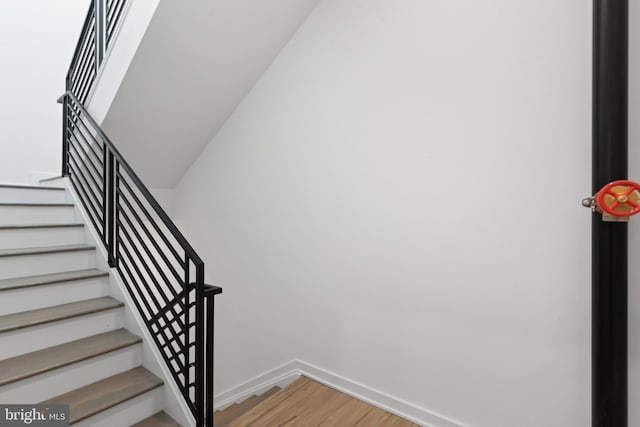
[(308, 403)]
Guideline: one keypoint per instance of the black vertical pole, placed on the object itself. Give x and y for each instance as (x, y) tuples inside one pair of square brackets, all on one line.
[(109, 221), (100, 30), (200, 347), (65, 136), (209, 406), (609, 239)]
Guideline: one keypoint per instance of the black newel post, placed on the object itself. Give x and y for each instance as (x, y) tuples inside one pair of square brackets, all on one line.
[(609, 239)]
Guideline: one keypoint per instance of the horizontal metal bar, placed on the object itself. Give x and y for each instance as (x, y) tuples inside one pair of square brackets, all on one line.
[(141, 241), (85, 64), (84, 93), (149, 292), (88, 22), (168, 307), (84, 58), (90, 134), (89, 144), (152, 221), (174, 338), (76, 175), (94, 198), (153, 333), (166, 302), (99, 173), (129, 262), (141, 187), (141, 260), (91, 218), (112, 20)]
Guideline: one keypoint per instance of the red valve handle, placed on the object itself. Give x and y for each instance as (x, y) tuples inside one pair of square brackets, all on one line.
[(619, 198)]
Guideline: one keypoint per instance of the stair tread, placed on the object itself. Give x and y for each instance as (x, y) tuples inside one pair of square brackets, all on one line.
[(224, 417), (45, 250), (27, 226), (31, 187), (94, 398), (161, 419), (46, 279), (38, 204), (11, 322), (48, 359)]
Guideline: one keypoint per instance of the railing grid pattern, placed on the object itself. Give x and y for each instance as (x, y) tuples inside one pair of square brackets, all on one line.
[(163, 275)]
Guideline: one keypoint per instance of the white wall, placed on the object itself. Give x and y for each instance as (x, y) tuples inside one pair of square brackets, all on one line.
[(398, 201), (37, 39), (196, 62), (122, 49)]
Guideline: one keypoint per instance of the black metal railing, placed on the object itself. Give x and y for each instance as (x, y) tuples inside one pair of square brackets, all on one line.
[(100, 25), (162, 273), (113, 15), (84, 65)]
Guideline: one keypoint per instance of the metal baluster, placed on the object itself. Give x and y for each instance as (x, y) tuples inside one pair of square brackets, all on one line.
[(109, 220), (200, 383), (65, 136), (100, 38)]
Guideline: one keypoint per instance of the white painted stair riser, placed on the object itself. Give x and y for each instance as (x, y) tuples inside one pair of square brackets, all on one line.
[(32, 195), (31, 265), (62, 380), (27, 214), (26, 340), (34, 297), (129, 412), (38, 237)]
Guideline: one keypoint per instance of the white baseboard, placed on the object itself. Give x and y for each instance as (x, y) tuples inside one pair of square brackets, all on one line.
[(290, 371)]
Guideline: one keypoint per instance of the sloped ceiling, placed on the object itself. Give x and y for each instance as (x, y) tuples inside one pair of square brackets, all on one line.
[(196, 62)]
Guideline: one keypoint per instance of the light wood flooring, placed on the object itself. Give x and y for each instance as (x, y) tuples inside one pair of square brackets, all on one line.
[(306, 403)]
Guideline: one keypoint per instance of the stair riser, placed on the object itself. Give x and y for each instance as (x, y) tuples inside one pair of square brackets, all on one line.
[(31, 265), (37, 237), (19, 215), (34, 338), (31, 195), (62, 380), (34, 297), (129, 412)]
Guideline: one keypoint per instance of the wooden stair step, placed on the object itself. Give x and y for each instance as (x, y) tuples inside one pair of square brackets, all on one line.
[(47, 279), (37, 204), (161, 419), (46, 250), (31, 226), (94, 398), (41, 361), (11, 322), (31, 187), (224, 417)]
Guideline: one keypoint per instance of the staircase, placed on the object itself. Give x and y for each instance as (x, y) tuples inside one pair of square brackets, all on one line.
[(61, 333), (235, 411)]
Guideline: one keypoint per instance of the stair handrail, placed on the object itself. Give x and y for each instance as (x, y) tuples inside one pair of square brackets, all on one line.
[(163, 274), (138, 182), (102, 191)]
